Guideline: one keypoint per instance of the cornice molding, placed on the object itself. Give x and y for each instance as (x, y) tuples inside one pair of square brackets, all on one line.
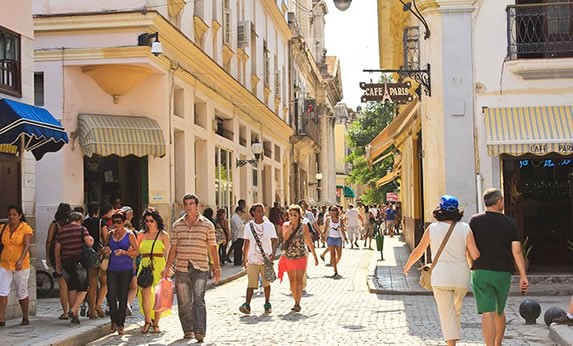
[(271, 8)]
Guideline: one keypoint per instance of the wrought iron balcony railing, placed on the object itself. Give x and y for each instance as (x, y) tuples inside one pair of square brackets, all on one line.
[(540, 30)]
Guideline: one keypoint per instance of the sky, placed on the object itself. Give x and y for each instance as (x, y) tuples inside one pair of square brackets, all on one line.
[(352, 35)]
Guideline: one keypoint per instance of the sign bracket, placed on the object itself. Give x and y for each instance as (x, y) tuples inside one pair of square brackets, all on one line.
[(421, 77)]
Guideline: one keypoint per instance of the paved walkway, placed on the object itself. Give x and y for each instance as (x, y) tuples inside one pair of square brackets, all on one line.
[(46, 329)]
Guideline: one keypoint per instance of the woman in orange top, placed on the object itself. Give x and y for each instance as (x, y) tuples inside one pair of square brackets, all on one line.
[(16, 237)]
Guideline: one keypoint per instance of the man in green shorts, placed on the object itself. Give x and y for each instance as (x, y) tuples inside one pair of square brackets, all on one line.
[(497, 239)]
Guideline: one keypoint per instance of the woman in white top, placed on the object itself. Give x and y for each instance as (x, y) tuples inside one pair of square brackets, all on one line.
[(451, 274), (335, 233)]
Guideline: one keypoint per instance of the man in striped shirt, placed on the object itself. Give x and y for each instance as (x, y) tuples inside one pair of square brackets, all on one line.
[(192, 236)]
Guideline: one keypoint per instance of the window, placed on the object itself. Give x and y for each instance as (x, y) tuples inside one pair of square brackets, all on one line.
[(227, 23), (223, 178), (39, 89), (10, 63), (266, 63), (412, 48)]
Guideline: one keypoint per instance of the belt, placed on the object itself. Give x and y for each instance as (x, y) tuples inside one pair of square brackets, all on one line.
[(149, 255)]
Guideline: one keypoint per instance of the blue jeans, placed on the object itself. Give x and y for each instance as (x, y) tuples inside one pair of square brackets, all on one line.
[(190, 288)]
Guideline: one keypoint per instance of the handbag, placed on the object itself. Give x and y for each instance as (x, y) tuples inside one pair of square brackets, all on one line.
[(426, 270), (104, 263), (269, 268), (90, 257), (314, 234), (2, 234), (145, 276)]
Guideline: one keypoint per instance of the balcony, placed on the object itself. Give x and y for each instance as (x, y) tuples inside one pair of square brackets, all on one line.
[(308, 133), (540, 31)]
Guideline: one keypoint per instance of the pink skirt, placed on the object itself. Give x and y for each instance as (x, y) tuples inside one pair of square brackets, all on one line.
[(287, 265)]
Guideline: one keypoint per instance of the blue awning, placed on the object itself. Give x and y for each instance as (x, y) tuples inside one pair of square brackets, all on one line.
[(41, 132)]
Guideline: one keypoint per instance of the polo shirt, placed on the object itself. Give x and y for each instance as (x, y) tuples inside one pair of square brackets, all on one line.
[(14, 245), (193, 242), (71, 239)]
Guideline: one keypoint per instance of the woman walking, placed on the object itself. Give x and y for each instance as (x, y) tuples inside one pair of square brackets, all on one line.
[(336, 234), (222, 234), (16, 237), (293, 260), (60, 220), (152, 238), (451, 273), (122, 248)]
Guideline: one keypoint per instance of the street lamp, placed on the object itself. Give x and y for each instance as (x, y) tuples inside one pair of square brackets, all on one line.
[(342, 5), (257, 150), (318, 177), (407, 6)]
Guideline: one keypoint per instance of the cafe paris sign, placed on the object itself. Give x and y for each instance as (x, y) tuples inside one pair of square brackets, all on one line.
[(398, 93)]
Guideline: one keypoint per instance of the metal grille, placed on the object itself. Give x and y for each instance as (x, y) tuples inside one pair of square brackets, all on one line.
[(540, 30), (412, 48)]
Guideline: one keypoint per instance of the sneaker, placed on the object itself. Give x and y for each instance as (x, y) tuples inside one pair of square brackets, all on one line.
[(245, 308), (268, 308), (563, 320), (199, 337)]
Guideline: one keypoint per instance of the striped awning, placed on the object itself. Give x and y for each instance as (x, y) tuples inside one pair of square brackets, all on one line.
[(529, 130), (106, 135), (388, 178)]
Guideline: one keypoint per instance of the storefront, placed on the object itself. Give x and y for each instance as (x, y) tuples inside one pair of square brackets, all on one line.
[(534, 146)]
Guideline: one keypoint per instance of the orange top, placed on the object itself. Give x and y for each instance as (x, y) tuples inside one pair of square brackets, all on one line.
[(13, 246)]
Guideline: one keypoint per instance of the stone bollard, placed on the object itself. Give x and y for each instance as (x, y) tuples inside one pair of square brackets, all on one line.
[(529, 309), (551, 314)]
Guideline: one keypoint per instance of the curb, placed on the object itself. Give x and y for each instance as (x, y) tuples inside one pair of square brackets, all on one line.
[(562, 335), (80, 338), (228, 279)]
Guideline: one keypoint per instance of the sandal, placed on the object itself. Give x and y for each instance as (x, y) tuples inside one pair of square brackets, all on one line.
[(145, 327), (188, 335), (120, 331), (113, 328), (156, 329), (25, 322), (63, 316)]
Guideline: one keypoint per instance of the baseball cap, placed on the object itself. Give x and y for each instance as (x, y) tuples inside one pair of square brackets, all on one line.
[(449, 203)]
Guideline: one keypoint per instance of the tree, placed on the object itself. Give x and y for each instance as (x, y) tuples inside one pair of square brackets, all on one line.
[(374, 118)]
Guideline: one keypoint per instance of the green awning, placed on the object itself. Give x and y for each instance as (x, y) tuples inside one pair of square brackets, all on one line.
[(347, 191)]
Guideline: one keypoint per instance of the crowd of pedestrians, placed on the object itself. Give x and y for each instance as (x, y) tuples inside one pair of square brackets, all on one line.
[(198, 244)]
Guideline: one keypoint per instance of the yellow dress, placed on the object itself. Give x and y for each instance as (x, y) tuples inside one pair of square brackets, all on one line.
[(158, 266)]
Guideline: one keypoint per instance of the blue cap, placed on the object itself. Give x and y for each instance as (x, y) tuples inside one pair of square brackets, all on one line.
[(449, 203)]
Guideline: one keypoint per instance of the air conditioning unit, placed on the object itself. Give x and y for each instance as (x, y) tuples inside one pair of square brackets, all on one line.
[(291, 18), (244, 34), (300, 132)]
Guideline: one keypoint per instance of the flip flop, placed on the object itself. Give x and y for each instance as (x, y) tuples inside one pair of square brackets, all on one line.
[(63, 316)]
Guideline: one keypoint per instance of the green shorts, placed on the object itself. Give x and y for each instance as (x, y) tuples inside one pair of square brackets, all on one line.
[(490, 288)]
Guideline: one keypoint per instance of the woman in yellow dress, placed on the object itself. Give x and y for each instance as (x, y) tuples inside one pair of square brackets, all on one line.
[(153, 230)]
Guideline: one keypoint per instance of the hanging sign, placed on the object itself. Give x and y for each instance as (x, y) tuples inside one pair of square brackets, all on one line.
[(391, 197), (398, 93)]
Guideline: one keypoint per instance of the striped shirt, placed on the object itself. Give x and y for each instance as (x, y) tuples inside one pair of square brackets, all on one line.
[(193, 242), (71, 239)]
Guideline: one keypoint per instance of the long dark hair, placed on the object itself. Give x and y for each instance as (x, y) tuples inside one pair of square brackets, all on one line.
[(62, 214), (18, 210), (154, 213), (444, 215), (208, 213)]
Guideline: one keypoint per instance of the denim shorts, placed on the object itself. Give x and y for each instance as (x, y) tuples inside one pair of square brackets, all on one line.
[(334, 241)]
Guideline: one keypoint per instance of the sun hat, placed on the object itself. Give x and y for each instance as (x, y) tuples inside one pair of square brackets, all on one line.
[(449, 203)]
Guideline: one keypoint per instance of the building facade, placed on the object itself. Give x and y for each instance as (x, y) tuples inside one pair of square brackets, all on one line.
[(499, 114), (148, 128)]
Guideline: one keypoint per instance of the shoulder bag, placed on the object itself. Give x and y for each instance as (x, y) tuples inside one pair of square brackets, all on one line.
[(269, 268), (426, 270), (1, 235), (145, 276), (90, 257)]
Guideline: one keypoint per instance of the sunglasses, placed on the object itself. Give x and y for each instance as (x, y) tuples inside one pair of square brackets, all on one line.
[(117, 221), (149, 220)]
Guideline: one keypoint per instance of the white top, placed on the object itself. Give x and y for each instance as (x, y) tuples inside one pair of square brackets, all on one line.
[(237, 226), (452, 269), (352, 217), (265, 232), (334, 229)]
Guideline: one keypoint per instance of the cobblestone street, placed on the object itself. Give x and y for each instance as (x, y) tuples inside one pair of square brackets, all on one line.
[(333, 312)]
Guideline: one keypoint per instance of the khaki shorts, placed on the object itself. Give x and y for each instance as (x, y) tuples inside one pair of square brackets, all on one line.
[(253, 271)]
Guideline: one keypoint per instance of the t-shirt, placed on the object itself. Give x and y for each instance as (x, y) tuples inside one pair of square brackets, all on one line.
[(94, 226), (390, 214), (265, 231), (71, 239), (237, 226), (310, 216), (494, 233), (352, 217)]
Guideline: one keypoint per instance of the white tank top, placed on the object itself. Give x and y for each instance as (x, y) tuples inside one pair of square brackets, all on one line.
[(334, 229), (452, 269)]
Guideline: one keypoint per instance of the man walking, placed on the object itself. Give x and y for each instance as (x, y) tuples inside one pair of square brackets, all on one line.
[(259, 233), (237, 230), (497, 239), (192, 236), (276, 218), (353, 223)]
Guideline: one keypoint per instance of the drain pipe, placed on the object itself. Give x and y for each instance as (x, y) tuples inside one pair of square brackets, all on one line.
[(479, 191)]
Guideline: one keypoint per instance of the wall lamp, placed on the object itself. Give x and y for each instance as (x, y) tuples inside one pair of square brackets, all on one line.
[(342, 5), (318, 177), (146, 39), (411, 6), (257, 150)]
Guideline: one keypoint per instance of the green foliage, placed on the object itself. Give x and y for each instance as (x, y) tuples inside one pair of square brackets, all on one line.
[(368, 124)]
